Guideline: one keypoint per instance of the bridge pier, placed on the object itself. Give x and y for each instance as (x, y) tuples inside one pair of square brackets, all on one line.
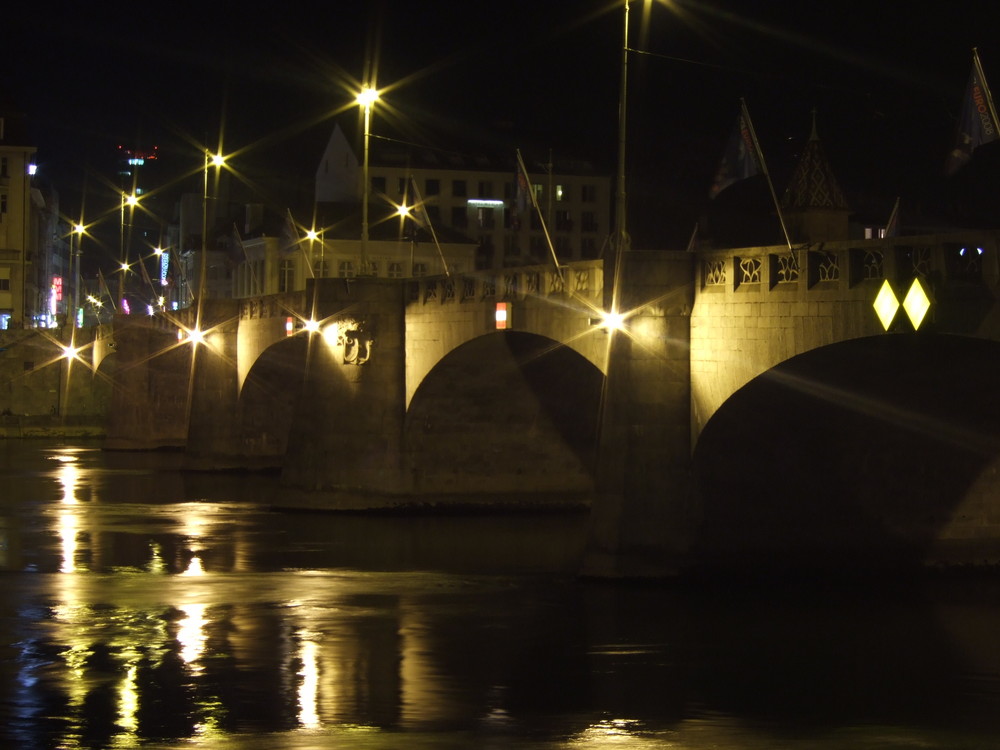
[(215, 388), (642, 522), (347, 430), (148, 407)]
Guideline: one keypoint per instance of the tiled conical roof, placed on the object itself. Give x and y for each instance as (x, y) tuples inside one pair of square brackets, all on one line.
[(812, 184)]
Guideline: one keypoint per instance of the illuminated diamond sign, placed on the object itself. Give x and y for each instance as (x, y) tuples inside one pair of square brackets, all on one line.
[(916, 303), (886, 305)]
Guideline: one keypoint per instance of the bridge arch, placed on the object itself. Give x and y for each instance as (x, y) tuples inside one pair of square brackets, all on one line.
[(502, 412), (268, 397), (880, 450)]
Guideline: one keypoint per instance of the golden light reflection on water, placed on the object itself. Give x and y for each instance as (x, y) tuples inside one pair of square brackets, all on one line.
[(308, 692), (68, 476)]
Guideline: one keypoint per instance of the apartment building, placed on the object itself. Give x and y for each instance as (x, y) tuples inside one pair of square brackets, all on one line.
[(479, 196), (18, 292)]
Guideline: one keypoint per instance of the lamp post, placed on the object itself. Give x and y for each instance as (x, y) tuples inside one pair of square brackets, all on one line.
[(621, 232), (313, 235), (131, 201), (366, 98), (216, 160), (78, 230)]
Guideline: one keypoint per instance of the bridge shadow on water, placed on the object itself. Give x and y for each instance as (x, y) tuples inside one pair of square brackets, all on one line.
[(879, 453)]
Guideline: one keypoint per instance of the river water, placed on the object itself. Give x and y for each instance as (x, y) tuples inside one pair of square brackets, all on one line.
[(143, 606)]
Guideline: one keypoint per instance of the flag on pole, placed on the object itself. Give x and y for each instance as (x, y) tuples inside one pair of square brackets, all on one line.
[(739, 161), (978, 122)]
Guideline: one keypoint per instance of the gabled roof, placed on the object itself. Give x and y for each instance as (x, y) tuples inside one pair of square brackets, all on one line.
[(812, 184)]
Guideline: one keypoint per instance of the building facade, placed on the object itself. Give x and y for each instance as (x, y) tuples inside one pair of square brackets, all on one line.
[(18, 290), (479, 196)]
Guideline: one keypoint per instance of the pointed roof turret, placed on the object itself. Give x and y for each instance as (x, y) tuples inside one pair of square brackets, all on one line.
[(812, 184), (814, 206)]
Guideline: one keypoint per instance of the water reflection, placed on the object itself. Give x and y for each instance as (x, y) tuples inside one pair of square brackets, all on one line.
[(138, 618)]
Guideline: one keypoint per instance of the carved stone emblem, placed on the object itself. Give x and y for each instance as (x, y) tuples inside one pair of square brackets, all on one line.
[(356, 340)]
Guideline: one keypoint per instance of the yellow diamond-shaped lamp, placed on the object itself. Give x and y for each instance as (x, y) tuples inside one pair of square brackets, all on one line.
[(916, 303), (886, 305)]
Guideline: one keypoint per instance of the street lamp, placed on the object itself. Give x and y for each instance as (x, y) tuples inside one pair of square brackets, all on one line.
[(78, 230), (366, 98), (313, 235), (131, 200), (216, 160)]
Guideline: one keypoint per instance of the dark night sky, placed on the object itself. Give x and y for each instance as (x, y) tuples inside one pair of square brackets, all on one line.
[(884, 77)]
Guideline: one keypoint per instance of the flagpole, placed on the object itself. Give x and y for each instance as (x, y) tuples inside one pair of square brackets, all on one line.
[(891, 225), (763, 168), (541, 219), (986, 88), (693, 242), (430, 225)]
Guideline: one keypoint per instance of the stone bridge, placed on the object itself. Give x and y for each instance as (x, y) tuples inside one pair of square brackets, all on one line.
[(506, 388)]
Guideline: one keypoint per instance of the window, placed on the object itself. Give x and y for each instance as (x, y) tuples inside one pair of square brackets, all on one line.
[(563, 221), (3, 203), (511, 248), (485, 217), (432, 186), (3, 166), (433, 214), (459, 217), (485, 189), (588, 221), (346, 269), (4, 285), (369, 268), (320, 269), (395, 270), (589, 193), (378, 184), (458, 188), (560, 196), (402, 185), (419, 269)]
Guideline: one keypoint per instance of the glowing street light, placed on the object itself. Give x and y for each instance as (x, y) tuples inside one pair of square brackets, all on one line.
[(366, 98), (216, 160), (78, 230), (131, 200), (319, 270)]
